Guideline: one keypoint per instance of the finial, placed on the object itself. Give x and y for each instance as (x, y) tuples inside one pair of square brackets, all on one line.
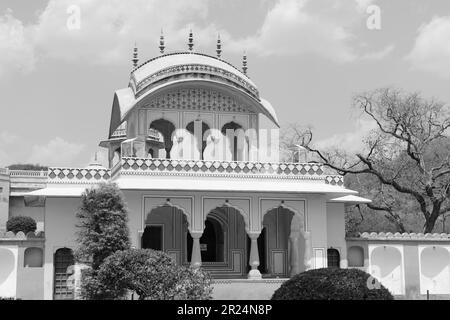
[(135, 59), (95, 159), (191, 41), (244, 63), (219, 46), (161, 42)]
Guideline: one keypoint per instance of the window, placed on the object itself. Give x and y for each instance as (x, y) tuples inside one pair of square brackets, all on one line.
[(33, 258), (333, 258), (153, 238), (166, 128), (63, 260), (232, 126)]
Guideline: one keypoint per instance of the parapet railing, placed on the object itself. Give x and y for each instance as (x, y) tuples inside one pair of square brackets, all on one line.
[(78, 175), (28, 173), (241, 168)]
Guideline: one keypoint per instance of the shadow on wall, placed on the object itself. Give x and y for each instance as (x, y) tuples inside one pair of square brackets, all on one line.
[(7, 266)]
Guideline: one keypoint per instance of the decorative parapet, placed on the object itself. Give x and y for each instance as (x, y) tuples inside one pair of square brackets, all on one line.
[(229, 168), (27, 173), (334, 180), (82, 175), (196, 68), (119, 133), (4, 171), (401, 236), (9, 235)]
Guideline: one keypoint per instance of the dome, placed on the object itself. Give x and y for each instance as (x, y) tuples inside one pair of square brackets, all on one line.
[(177, 68)]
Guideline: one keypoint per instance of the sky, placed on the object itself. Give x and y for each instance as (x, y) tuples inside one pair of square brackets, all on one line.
[(62, 60)]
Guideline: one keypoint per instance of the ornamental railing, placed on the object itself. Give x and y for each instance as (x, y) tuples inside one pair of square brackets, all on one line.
[(119, 133), (203, 167), (28, 173), (78, 175)]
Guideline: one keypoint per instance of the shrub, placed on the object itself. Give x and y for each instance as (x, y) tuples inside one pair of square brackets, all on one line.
[(151, 275), (331, 284), (21, 223)]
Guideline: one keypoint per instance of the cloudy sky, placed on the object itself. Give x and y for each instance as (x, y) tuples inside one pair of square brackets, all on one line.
[(307, 57)]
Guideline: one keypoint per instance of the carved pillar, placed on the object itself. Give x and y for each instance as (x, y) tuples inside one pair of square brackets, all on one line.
[(254, 256), (196, 256), (295, 256), (308, 250)]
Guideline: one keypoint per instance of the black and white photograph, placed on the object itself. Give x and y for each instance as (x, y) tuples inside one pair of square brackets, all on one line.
[(231, 156)]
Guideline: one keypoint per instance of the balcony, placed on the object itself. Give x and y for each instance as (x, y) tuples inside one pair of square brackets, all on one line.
[(244, 169)]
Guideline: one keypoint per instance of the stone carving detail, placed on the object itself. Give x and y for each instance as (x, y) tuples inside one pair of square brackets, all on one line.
[(197, 99), (334, 180)]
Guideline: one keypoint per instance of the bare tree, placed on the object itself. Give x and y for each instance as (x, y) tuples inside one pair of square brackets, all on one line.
[(408, 153)]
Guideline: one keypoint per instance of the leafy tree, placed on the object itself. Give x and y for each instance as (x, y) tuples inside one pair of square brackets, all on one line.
[(102, 231), (152, 275), (102, 224), (21, 223), (405, 160)]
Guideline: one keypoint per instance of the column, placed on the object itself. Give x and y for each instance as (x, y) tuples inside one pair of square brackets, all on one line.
[(196, 257), (254, 256), (308, 251), (295, 255)]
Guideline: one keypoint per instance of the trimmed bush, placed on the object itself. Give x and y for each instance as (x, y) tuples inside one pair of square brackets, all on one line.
[(151, 275), (21, 223), (332, 284)]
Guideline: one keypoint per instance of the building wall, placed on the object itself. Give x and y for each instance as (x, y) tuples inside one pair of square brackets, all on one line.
[(336, 230), (4, 198), (59, 233)]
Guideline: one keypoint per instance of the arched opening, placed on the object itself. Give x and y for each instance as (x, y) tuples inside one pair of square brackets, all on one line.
[(212, 244), (234, 127), (190, 127), (63, 259), (278, 223), (164, 230), (355, 256), (333, 258), (166, 128), (386, 266), (435, 270), (33, 258)]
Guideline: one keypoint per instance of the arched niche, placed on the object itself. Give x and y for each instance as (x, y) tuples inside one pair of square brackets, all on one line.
[(166, 128), (355, 256), (33, 257), (386, 265), (204, 133), (435, 270)]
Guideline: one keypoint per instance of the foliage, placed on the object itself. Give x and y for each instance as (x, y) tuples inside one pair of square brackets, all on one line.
[(405, 160), (151, 275), (331, 284), (27, 166), (21, 223), (102, 224)]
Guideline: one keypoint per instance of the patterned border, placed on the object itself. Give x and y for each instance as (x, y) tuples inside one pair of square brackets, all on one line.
[(402, 236), (78, 175)]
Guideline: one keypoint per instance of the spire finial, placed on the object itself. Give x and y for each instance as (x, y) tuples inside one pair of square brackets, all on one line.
[(244, 63), (135, 59), (191, 41), (161, 42), (219, 46)]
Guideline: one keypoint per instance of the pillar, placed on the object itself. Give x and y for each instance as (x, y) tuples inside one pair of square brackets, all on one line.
[(308, 251), (254, 256), (196, 256), (295, 255)]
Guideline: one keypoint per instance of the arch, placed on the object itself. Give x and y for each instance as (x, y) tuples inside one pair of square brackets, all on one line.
[(63, 260), (234, 126), (166, 128), (205, 128), (435, 270), (386, 266), (7, 265), (333, 258), (355, 256), (239, 210), (168, 203), (33, 257)]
